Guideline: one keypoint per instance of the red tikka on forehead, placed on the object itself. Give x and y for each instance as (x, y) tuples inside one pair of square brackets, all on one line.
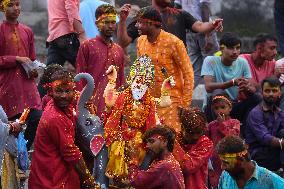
[(57, 83), (145, 20)]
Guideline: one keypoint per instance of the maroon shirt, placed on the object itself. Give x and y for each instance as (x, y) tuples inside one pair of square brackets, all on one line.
[(162, 174), (55, 152), (193, 159), (17, 91), (94, 57)]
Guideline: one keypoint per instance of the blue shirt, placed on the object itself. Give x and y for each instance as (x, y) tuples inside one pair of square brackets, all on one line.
[(261, 127), (260, 179), (213, 66), (88, 17)]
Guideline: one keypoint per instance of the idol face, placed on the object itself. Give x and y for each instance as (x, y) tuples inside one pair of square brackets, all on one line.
[(139, 87)]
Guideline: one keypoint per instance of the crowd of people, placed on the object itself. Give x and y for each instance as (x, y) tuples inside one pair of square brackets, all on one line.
[(153, 136)]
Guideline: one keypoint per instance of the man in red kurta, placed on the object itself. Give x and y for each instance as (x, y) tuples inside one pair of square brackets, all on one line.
[(57, 162), (97, 54), (164, 172), (17, 90), (193, 149)]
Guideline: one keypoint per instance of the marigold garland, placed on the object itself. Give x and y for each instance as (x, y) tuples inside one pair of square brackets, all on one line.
[(130, 120)]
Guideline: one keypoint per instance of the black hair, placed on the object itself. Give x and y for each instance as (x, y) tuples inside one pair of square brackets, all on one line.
[(163, 130), (230, 40), (191, 119), (62, 75), (105, 9), (47, 73), (273, 81), (262, 38), (152, 14), (231, 144)]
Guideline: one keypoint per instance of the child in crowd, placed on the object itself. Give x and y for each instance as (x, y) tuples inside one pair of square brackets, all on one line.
[(218, 129)]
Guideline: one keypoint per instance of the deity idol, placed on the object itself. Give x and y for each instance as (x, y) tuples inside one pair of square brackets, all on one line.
[(130, 113)]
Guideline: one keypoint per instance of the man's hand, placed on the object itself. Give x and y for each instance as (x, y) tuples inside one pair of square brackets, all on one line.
[(111, 73), (15, 128), (246, 86), (218, 24), (168, 84), (124, 11), (221, 117), (279, 70), (23, 60), (132, 152)]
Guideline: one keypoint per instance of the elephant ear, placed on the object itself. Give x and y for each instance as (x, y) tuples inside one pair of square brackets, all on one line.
[(96, 144)]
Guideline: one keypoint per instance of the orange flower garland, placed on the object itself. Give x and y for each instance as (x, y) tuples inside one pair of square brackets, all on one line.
[(129, 112)]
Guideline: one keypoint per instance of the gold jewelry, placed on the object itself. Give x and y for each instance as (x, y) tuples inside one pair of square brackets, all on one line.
[(112, 82)]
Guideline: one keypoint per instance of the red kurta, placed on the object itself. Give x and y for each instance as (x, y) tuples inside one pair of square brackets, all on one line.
[(17, 91), (193, 160), (162, 174), (94, 57), (55, 152), (216, 131)]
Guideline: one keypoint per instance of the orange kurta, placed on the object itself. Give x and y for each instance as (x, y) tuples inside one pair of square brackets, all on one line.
[(169, 52)]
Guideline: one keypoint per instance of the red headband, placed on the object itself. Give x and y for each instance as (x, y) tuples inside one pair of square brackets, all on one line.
[(146, 20)]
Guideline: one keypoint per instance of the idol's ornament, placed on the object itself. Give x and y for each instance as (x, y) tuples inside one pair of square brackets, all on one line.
[(131, 113)]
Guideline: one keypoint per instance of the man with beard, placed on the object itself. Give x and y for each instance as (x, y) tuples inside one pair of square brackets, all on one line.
[(265, 128), (230, 73), (240, 171), (164, 172), (261, 60), (57, 162), (97, 54), (174, 21), (193, 149)]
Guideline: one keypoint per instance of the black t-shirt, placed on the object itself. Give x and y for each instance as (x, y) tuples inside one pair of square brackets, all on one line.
[(174, 21), (279, 4)]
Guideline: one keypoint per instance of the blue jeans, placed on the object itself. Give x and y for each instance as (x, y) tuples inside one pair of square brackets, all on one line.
[(195, 44), (279, 24)]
